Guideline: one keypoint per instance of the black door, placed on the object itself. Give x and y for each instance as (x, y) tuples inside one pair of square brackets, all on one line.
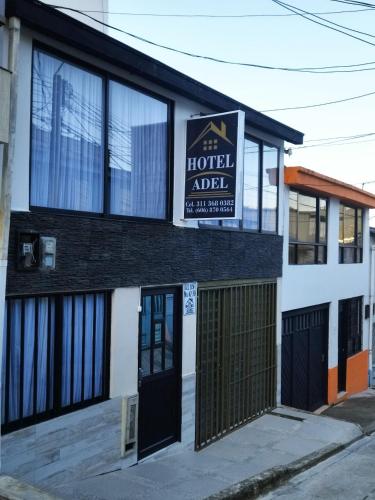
[(304, 365), (159, 375)]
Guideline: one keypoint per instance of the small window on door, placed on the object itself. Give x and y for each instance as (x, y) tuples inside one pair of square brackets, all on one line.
[(157, 333)]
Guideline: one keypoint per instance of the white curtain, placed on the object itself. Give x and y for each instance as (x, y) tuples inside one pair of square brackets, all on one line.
[(67, 136), (138, 153)]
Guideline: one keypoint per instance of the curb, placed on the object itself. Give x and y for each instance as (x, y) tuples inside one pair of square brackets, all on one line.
[(13, 489), (261, 483)]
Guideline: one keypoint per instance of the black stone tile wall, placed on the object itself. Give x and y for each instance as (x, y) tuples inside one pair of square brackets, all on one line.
[(103, 253)]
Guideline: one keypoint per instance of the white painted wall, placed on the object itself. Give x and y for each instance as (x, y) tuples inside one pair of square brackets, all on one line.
[(309, 285), (124, 342)]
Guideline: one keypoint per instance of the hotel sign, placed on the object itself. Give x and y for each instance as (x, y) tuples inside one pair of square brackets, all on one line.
[(214, 166)]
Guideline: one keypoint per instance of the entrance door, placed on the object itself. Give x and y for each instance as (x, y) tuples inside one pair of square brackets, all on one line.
[(342, 345), (304, 364), (159, 373)]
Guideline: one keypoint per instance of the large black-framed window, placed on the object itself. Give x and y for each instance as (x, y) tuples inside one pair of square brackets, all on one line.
[(98, 145), (55, 356), (307, 229), (350, 235), (260, 190)]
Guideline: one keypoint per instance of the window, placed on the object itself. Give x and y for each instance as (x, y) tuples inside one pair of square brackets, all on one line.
[(54, 356), (307, 229), (350, 235), (260, 190), (350, 324), (72, 160)]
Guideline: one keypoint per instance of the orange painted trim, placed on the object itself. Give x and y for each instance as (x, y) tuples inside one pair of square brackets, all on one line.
[(309, 180), (357, 373), (356, 378)]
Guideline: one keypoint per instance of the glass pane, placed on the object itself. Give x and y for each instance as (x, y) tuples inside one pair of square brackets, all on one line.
[(322, 255), (341, 225), (306, 218), (28, 358), (14, 359), (43, 335), (158, 333), (138, 153), (158, 307), (349, 255), (3, 366), (157, 360), (66, 351), (67, 150), (231, 223), (306, 254), (78, 337), (359, 226), (293, 210), (270, 183), (209, 223), (322, 220), (99, 344), (89, 338), (292, 254), (169, 331), (251, 186), (146, 335), (349, 226)]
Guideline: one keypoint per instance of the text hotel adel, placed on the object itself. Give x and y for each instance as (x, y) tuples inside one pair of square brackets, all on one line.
[(165, 280)]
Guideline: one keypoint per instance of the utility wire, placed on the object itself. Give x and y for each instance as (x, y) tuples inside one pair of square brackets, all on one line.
[(320, 104), (305, 14), (214, 16), (350, 2), (316, 70)]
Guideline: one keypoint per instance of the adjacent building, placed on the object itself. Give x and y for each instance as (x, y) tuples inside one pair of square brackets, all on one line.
[(326, 298)]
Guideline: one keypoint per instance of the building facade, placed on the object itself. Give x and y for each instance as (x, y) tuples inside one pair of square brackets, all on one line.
[(326, 299), (104, 359)]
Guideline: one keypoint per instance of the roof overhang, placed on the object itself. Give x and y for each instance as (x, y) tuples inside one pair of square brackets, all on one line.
[(315, 183), (64, 28)]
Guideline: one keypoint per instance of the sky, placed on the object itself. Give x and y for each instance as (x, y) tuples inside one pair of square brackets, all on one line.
[(288, 41)]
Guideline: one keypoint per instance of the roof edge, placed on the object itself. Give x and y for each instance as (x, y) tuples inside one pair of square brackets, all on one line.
[(314, 182)]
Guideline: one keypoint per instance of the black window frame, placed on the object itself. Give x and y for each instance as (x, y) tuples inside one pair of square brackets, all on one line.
[(353, 333), (293, 244), (106, 77), (356, 247), (205, 224), (58, 409)]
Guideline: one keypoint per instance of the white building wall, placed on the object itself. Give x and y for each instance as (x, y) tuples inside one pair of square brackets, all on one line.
[(310, 285)]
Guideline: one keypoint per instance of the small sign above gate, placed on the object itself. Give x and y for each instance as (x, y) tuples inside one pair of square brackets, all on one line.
[(190, 298), (214, 166)]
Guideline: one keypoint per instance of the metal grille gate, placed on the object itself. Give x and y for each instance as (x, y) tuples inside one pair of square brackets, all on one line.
[(236, 357)]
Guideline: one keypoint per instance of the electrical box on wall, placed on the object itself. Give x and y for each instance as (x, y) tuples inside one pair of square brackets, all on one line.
[(36, 251), (28, 251), (47, 252)]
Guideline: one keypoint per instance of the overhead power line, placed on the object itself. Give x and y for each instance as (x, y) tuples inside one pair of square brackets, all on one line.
[(353, 2), (214, 16), (320, 104), (313, 70), (327, 24)]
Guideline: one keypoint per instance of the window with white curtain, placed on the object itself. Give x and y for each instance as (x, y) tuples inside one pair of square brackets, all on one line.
[(70, 167), (260, 190), (54, 356)]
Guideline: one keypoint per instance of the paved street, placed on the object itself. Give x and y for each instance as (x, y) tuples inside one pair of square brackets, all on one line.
[(347, 475)]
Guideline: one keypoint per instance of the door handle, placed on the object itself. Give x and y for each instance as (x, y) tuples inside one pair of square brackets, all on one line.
[(140, 377)]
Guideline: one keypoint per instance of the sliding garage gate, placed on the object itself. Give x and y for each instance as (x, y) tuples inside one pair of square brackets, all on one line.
[(304, 362), (236, 357)]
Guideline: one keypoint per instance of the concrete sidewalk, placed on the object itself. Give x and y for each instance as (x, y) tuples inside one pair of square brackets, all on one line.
[(359, 409), (283, 442)]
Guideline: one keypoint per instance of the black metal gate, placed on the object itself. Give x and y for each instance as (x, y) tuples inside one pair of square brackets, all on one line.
[(304, 366), (236, 357)]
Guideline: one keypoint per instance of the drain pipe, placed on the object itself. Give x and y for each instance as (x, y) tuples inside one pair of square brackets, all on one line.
[(371, 317)]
